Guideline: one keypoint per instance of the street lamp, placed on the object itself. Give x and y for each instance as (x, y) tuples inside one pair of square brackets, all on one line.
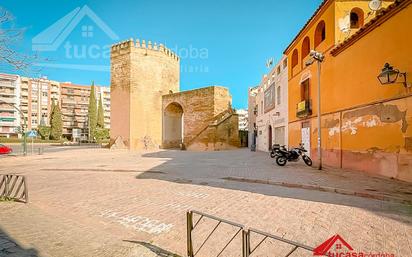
[(24, 126), (318, 57), (389, 75)]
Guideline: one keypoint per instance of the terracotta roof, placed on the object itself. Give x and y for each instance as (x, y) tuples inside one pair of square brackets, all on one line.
[(307, 23), (380, 17)]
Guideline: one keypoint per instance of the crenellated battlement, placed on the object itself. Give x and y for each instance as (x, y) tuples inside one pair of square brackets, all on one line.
[(127, 44)]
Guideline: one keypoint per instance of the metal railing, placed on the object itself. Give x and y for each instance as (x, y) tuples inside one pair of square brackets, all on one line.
[(14, 187), (191, 227), (247, 251)]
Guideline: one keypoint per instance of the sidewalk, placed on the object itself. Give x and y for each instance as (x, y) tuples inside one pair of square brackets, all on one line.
[(346, 182)]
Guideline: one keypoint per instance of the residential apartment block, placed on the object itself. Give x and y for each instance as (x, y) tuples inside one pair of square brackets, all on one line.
[(268, 109), (34, 97), (74, 107), (9, 116)]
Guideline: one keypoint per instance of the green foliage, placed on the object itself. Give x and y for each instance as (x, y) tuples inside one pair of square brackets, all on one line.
[(100, 114), (92, 113), (101, 134), (53, 105), (44, 131), (56, 123)]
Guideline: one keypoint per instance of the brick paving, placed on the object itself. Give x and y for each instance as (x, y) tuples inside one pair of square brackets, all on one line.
[(95, 202)]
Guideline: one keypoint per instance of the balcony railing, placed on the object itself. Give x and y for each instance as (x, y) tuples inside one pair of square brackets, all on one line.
[(304, 109), (8, 99)]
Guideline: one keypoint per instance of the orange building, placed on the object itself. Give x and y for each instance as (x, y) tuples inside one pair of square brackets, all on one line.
[(365, 125)]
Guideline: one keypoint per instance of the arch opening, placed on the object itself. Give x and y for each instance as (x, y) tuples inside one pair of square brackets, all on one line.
[(320, 33), (173, 126), (295, 58), (305, 47), (356, 18)]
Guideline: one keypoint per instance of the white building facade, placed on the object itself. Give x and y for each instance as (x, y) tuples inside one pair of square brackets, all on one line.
[(270, 108), (9, 97)]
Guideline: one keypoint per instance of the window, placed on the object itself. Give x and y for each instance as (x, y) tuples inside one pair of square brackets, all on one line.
[(270, 98), (278, 70), (356, 18), (305, 91), (295, 58), (261, 107), (278, 95), (285, 63), (305, 47), (320, 33)]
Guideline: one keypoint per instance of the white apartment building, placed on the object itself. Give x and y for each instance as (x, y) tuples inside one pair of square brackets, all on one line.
[(268, 103), (34, 97), (9, 97)]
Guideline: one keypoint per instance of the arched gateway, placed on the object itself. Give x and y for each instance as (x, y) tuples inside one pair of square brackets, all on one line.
[(173, 126)]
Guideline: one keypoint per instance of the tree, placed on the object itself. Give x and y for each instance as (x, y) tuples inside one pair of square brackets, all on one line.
[(53, 105), (92, 113), (10, 36), (56, 123), (44, 131), (100, 114), (101, 134)]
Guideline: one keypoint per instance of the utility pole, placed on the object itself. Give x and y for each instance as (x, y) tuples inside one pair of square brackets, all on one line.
[(318, 57)]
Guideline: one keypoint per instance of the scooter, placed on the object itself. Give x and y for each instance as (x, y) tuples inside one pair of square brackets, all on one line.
[(293, 155)]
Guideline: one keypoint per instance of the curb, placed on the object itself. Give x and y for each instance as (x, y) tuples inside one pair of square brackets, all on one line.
[(323, 189)]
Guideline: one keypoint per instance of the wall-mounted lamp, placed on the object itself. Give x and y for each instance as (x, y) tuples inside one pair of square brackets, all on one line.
[(389, 75)]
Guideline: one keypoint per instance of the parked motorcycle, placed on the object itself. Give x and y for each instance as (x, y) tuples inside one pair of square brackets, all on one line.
[(276, 150), (292, 155)]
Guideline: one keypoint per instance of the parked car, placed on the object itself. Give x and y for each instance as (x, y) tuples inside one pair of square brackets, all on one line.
[(5, 149)]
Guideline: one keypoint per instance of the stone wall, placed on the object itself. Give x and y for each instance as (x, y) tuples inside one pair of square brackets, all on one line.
[(149, 112), (141, 74), (201, 110)]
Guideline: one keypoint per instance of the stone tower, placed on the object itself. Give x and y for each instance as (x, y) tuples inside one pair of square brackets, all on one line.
[(140, 74)]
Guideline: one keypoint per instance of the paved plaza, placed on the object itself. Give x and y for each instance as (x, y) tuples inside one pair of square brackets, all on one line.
[(99, 202)]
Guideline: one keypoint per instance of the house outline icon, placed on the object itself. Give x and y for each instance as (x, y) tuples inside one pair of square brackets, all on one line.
[(324, 248), (52, 37)]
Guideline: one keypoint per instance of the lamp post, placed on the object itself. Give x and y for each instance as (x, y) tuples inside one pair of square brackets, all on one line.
[(24, 126), (318, 57)]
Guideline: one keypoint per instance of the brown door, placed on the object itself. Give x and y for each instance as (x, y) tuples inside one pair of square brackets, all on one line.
[(270, 138)]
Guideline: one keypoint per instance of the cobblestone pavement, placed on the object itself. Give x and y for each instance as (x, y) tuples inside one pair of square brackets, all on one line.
[(95, 202)]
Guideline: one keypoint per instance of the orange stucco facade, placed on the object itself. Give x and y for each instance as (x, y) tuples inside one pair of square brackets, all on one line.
[(365, 125)]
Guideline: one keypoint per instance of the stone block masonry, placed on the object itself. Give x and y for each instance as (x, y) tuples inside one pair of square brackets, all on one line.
[(149, 112), (140, 74)]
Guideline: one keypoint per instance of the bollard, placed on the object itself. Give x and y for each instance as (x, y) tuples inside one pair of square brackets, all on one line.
[(40, 150)]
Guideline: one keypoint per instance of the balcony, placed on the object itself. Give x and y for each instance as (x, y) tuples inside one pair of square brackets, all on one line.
[(68, 101), (8, 99), (6, 108), (7, 85), (7, 93), (304, 109), (7, 115)]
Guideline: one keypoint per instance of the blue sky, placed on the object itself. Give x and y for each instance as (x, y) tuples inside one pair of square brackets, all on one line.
[(227, 41)]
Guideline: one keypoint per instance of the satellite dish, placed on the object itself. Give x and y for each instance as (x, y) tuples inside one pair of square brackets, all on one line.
[(375, 5)]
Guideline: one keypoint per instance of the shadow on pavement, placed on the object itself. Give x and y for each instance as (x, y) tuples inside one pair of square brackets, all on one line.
[(155, 249), (211, 169), (10, 248)]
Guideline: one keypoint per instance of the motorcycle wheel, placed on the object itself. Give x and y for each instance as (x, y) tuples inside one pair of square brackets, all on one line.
[(272, 154), (281, 161), (307, 160)]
